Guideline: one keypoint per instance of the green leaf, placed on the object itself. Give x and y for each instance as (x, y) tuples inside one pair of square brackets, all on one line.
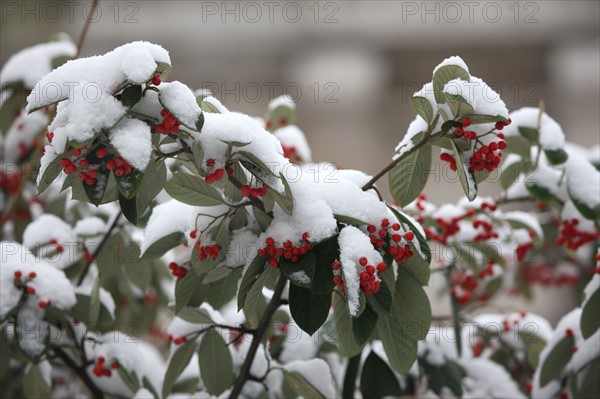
[(556, 157), (533, 347), (255, 303), (200, 122), (217, 274), (302, 272), (95, 301), (343, 327), (377, 380), (95, 193), (423, 107), (194, 315), (131, 95), (261, 218), (255, 165), (364, 325), (162, 245), (465, 174), (449, 124), (400, 349), (163, 69), (130, 184), (252, 273), (192, 190), (408, 178), (10, 107), (458, 105), (540, 193), (177, 364), (348, 220), (81, 312), (381, 301), (449, 375), (411, 304), (325, 252), (477, 119), (590, 319), (308, 310), (510, 174), (280, 113), (301, 386), (34, 385), (216, 365), (530, 133), (50, 174), (130, 379), (518, 145), (445, 74), (557, 360), (184, 289), (418, 267)]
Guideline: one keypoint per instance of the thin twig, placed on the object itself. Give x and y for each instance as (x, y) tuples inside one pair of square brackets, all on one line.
[(105, 238), (86, 27), (260, 330)]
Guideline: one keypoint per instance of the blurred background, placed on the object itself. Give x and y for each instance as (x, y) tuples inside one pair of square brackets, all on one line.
[(351, 66)]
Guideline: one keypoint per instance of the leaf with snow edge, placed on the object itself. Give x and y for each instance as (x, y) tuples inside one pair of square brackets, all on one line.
[(446, 142), (540, 193), (523, 220), (130, 184), (95, 301), (308, 310), (556, 361), (217, 274), (208, 107), (34, 384), (583, 208), (302, 272), (519, 146), (178, 362), (81, 312), (423, 107), (184, 289), (285, 201), (364, 325), (445, 74), (163, 69), (256, 166), (131, 95), (510, 173), (200, 122), (10, 108), (192, 190), (348, 220), (533, 346), (530, 133), (449, 375), (590, 321), (301, 386), (465, 174), (215, 362), (180, 101), (587, 380), (458, 105), (162, 245), (129, 378), (50, 172), (251, 274), (377, 380), (280, 114), (255, 303), (408, 178), (449, 124), (347, 345), (152, 184)]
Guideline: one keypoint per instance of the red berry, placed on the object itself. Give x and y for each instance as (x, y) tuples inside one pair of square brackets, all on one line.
[(273, 262), (42, 304), (18, 274), (502, 145), (382, 266), (193, 234), (30, 290), (210, 163), (114, 365), (156, 80), (110, 165), (32, 275), (569, 332), (466, 122), (459, 131), (76, 152), (409, 235), (363, 261), (65, 162), (101, 152), (371, 229), (270, 241), (84, 163)]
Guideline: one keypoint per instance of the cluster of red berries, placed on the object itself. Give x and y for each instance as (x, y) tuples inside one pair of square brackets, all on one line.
[(397, 245), (488, 230), (100, 370), (247, 191), (10, 181), (177, 340), (25, 150), (217, 174), (280, 122), (169, 124), (523, 249), (287, 250), (369, 277), (337, 276), (444, 229), (207, 251), (118, 165), (548, 276), (463, 285), (57, 246), (177, 271), (488, 271), (573, 238), (291, 154), (28, 288)]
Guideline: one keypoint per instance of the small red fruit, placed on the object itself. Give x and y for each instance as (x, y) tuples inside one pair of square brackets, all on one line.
[(18, 274), (409, 235), (466, 122), (363, 261), (156, 80), (32, 275), (30, 290)]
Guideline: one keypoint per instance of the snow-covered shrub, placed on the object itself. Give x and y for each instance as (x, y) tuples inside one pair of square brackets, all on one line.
[(170, 247)]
